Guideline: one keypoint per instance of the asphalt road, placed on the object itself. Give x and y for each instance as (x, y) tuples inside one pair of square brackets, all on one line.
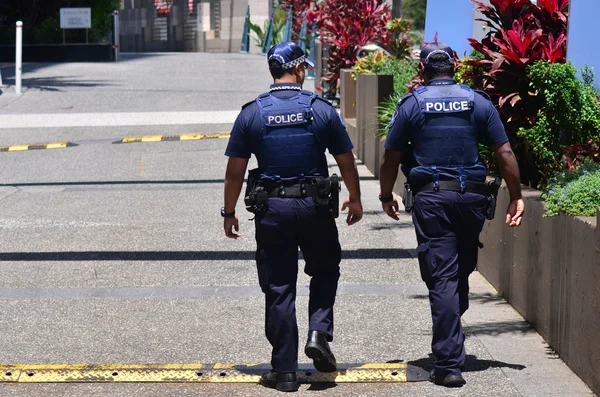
[(113, 253)]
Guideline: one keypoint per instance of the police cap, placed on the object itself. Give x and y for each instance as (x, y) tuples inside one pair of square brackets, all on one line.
[(437, 48), (288, 54)]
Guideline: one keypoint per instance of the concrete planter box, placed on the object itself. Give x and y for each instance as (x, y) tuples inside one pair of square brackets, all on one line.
[(348, 104), (548, 269), (371, 91)]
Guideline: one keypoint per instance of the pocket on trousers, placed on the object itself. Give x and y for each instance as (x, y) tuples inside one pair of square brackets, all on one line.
[(426, 264)]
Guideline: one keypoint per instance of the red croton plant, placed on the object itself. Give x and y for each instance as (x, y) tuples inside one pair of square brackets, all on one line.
[(521, 33), (299, 9), (347, 25)]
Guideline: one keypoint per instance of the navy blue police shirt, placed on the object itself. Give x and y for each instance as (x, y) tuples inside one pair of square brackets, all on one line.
[(327, 125), (408, 120)]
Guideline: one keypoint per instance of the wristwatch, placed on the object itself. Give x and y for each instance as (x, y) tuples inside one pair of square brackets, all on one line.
[(226, 215), (386, 199)]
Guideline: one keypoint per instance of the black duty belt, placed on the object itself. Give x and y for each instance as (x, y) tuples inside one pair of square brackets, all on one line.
[(471, 187), (294, 191)]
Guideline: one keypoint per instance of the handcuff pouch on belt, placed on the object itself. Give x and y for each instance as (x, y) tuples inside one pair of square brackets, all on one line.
[(256, 197)]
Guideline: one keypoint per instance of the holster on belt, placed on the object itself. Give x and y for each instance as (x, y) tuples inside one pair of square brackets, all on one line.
[(256, 197), (492, 197), (408, 199)]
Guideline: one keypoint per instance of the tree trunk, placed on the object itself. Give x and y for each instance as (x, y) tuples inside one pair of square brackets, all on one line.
[(396, 8)]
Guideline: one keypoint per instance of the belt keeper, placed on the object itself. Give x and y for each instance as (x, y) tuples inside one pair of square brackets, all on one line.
[(436, 186), (281, 191)]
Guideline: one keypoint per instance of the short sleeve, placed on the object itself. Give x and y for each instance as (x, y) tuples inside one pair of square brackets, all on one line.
[(494, 132), (339, 141), (239, 141), (401, 127)]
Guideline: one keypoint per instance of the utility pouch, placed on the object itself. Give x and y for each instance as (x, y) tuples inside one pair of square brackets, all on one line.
[(321, 192), (492, 197), (408, 199), (256, 197)]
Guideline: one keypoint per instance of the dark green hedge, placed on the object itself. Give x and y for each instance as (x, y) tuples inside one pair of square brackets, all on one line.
[(41, 20)]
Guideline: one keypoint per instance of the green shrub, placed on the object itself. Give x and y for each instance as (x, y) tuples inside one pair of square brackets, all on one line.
[(403, 71), (386, 111), (279, 20), (575, 193), (570, 113)]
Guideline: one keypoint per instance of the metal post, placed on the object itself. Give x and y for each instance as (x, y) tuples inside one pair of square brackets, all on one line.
[(116, 33), (246, 34), (19, 58), (289, 23), (312, 50), (268, 36)]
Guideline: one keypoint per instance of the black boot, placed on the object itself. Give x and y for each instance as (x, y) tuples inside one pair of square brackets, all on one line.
[(449, 380), (318, 349), (285, 381)]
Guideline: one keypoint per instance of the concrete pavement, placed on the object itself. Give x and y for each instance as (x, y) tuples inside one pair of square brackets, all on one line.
[(96, 268)]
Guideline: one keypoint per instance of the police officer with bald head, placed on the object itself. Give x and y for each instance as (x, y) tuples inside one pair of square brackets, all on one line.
[(434, 135), (289, 130)]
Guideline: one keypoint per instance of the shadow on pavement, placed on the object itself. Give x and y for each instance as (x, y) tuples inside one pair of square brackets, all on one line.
[(55, 83), (178, 255), (473, 364), (501, 327)]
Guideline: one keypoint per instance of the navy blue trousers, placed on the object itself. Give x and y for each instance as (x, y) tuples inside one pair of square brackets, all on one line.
[(448, 225), (289, 224)]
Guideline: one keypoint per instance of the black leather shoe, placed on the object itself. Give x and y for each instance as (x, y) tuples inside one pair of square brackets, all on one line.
[(318, 349), (449, 380), (281, 381)]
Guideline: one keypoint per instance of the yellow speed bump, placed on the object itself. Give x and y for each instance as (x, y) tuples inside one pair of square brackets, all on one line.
[(203, 373), (36, 146), (181, 137)]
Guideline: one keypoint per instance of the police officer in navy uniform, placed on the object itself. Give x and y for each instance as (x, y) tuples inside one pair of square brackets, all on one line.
[(288, 130), (439, 127)]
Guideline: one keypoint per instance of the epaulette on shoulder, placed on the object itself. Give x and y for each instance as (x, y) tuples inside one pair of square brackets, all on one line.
[(404, 99), (320, 98), (484, 94), (466, 87), (421, 89), (248, 104)]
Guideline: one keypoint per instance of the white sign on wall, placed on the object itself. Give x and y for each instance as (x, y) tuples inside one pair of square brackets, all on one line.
[(75, 18)]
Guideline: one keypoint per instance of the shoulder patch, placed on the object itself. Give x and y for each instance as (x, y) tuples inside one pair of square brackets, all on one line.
[(484, 94), (421, 89)]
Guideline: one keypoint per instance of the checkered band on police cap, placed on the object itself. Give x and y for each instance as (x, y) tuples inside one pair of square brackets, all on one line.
[(288, 54)]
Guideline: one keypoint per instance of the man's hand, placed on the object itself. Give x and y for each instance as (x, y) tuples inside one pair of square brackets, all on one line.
[(231, 224), (355, 210), (514, 213), (392, 208)]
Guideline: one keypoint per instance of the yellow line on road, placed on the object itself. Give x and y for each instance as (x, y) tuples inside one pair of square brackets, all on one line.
[(203, 373), (36, 146), (180, 137)]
